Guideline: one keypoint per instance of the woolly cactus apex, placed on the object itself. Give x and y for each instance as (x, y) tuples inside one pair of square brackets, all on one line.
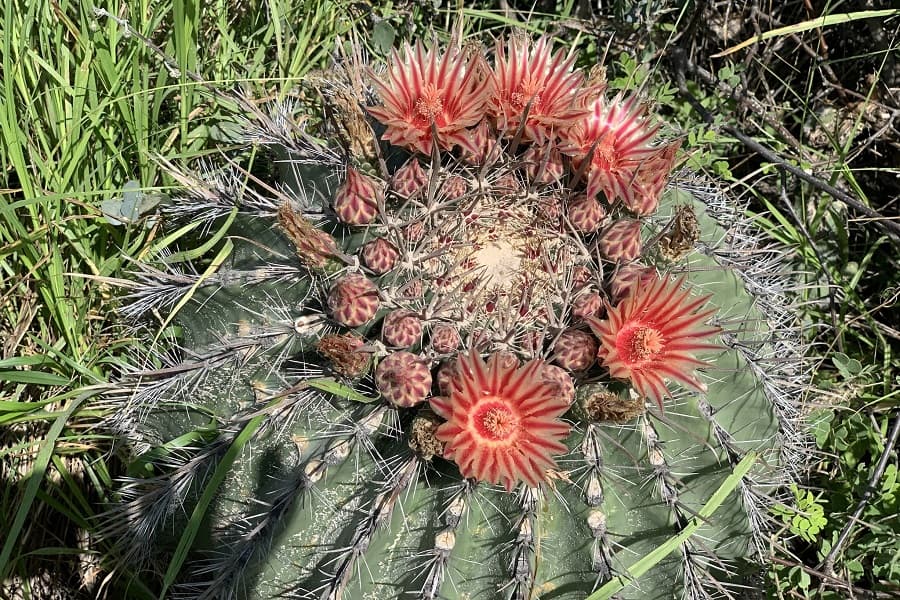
[(586, 214), (401, 328), (353, 300), (380, 256), (356, 202), (403, 379), (621, 241), (575, 350)]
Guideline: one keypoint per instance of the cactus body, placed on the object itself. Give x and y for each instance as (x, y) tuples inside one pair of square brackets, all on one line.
[(348, 482)]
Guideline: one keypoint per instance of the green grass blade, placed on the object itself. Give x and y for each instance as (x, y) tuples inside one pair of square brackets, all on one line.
[(641, 567), (825, 21), (34, 482), (209, 492)]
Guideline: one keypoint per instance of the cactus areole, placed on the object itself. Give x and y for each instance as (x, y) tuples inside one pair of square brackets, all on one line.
[(484, 362)]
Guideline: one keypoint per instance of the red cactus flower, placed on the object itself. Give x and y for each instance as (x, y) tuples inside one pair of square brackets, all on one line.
[(425, 88), (544, 82), (617, 137), (502, 421), (652, 334)]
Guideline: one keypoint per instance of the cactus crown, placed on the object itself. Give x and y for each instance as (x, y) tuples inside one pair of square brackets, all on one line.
[(498, 288)]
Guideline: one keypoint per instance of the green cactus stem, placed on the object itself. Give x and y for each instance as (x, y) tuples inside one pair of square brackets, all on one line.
[(464, 352)]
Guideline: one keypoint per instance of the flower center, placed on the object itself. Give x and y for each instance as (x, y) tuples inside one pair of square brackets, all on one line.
[(529, 90), (495, 421), (642, 343), (605, 155), (430, 104)]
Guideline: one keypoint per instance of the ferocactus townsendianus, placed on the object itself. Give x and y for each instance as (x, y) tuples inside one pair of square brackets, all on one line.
[(477, 343)]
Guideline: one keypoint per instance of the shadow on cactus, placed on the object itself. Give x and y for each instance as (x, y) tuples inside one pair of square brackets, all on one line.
[(476, 343)]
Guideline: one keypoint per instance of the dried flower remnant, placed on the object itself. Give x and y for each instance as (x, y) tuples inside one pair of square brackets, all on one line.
[(651, 336), (502, 421), (680, 235), (343, 351), (315, 248), (422, 438), (426, 89), (601, 405)]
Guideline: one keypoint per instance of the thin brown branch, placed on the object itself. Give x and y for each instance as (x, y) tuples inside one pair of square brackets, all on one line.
[(684, 66), (871, 487)]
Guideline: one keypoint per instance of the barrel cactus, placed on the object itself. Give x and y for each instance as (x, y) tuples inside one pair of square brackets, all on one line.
[(472, 339)]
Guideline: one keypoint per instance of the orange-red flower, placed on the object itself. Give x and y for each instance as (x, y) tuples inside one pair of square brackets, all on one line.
[(617, 137), (535, 78), (502, 422), (652, 334), (425, 88)]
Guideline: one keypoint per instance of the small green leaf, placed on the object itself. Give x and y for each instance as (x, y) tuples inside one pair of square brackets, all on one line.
[(383, 36), (330, 386), (111, 209), (131, 198), (847, 366)]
